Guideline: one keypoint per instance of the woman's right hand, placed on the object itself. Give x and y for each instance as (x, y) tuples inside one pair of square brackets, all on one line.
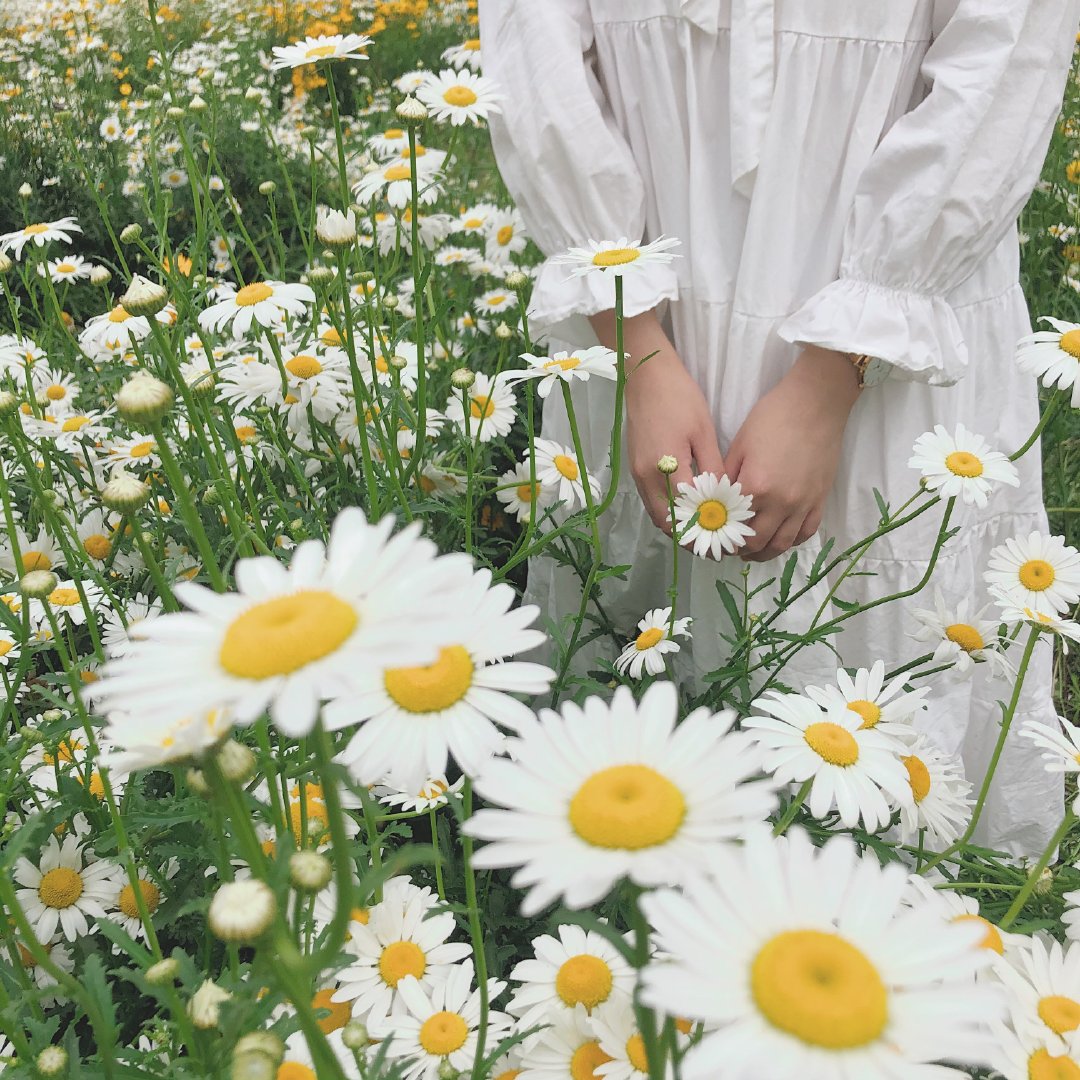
[(666, 412)]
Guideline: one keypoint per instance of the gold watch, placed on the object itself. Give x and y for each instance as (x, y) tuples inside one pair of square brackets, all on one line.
[(872, 369)]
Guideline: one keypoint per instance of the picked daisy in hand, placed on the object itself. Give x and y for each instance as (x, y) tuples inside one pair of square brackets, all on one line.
[(39, 233), (722, 510), (810, 964), (855, 770), (1053, 356), (559, 473), (961, 638), (265, 303), (961, 465), (565, 367), (615, 790), (655, 641), (1041, 573), (289, 638), (323, 47), (618, 257), (941, 797), (459, 96), (885, 707)]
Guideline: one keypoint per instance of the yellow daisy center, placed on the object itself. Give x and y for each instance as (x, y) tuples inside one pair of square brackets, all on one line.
[(245, 432), (583, 980), (472, 45), (330, 337), (314, 816), (1041, 1066), (616, 257), (832, 743), (629, 807), (6, 647), (394, 133), (966, 636), (635, 1053), (35, 230), (65, 268), (303, 366), (75, 423), (118, 315), (443, 1033), (397, 172), (568, 364), (317, 52), (505, 235), (433, 687), (143, 449), (510, 1074), (1059, 1014), (482, 407), (567, 466), (36, 560), (1070, 343), (253, 294), (494, 301), (474, 223), (820, 989), (280, 636), (460, 96), (64, 597), (585, 1060), (712, 515), (648, 638), (525, 492), (918, 777), (1036, 575), (56, 392), (399, 959), (295, 1070), (60, 887), (961, 463), (66, 750), (870, 713), (992, 939), (151, 897)]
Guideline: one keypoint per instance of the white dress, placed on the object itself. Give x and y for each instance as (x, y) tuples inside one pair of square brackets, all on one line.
[(846, 173)]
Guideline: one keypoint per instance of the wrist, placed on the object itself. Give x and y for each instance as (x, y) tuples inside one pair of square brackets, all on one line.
[(833, 372)]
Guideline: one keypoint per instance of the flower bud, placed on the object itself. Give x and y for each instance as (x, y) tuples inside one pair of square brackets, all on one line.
[(25, 190), (37, 583), (310, 871), (517, 279), (174, 112), (412, 110), (327, 255), (5, 263), (335, 229), (130, 233), (668, 464), (354, 1035), (153, 92), (204, 1008), (196, 780), (446, 1071), (125, 492), (320, 275), (163, 972), (236, 761), (462, 378), (1045, 883), (398, 363), (253, 93), (197, 104), (8, 403), (390, 302), (144, 297), (52, 1061), (267, 188), (252, 1066), (144, 398), (50, 716), (503, 332), (100, 275), (261, 1042), (242, 911)]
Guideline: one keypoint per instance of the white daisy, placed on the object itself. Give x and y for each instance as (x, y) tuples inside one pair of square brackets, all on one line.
[(135, 742), (722, 510), (39, 553), (114, 331), (941, 797), (414, 718), (264, 302), (568, 1047), (116, 636), (1066, 629), (559, 473), (1053, 355), (810, 964), (1041, 572), (655, 641), (39, 233), (459, 96), (492, 408), (961, 465), (505, 235), (434, 792), (565, 367), (889, 708), (60, 955), (519, 495), (956, 907), (1061, 743), (620, 1039), (855, 770), (618, 256), (1026, 1057), (959, 637), (323, 47), (1043, 979), (137, 451), (495, 301), (389, 143), (394, 181), (290, 637), (615, 790), (65, 601), (298, 1063), (124, 908), (467, 53), (69, 268)]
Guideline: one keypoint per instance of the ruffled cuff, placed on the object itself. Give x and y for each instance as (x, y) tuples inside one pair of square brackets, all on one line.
[(560, 303), (915, 332)]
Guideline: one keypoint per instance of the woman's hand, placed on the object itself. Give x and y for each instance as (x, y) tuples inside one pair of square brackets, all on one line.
[(787, 450), (666, 412)]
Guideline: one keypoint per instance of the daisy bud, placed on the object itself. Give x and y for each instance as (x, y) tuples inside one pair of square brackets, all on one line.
[(204, 1008), (516, 279), (335, 229), (50, 716), (8, 403), (252, 1066), (25, 190), (174, 112), (503, 332), (242, 910), (320, 275), (100, 275), (446, 1071), (196, 780), (213, 496), (50, 498), (163, 972), (267, 188), (398, 363), (668, 464), (308, 131), (236, 762), (144, 398), (390, 302), (37, 583), (154, 92), (252, 93), (1045, 883), (261, 1042), (5, 263), (462, 378), (354, 1036), (197, 104), (327, 256), (144, 297), (52, 1061), (412, 110), (130, 233), (310, 871), (125, 492)]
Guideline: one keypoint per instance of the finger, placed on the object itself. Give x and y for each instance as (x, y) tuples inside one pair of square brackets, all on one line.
[(765, 523), (809, 527), (783, 539), (706, 451)]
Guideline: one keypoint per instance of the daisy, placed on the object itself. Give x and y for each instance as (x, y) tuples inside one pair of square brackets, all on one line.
[(1066, 629), (1062, 744), (568, 1047), (615, 790), (616, 1029), (39, 553), (961, 465), (433, 793), (1053, 356), (558, 472), (9, 649), (619, 256), (389, 143), (70, 268), (655, 641), (394, 182), (721, 509), (125, 907), (137, 451), (58, 387), (495, 301), (131, 742), (474, 219), (887, 708), (1025, 1057), (506, 235), (264, 302), (853, 768), (439, 1024), (810, 964), (40, 233), (579, 968), (941, 797), (174, 178), (114, 331), (492, 408), (60, 955), (65, 600), (452, 256), (565, 367), (956, 907), (1043, 978), (387, 374), (403, 937), (459, 96), (298, 1063), (465, 54), (961, 638), (1041, 572), (116, 636), (413, 719), (66, 886), (323, 47), (519, 495), (290, 637)]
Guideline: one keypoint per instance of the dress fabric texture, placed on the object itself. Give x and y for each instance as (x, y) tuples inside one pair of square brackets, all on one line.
[(846, 173)]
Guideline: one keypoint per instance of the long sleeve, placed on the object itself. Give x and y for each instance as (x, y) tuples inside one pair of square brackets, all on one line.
[(944, 186), (561, 154)]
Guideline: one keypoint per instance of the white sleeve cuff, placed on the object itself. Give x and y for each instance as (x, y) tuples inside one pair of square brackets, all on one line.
[(560, 303), (915, 332)]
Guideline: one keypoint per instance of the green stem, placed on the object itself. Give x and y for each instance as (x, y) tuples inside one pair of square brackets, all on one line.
[(1036, 871), (476, 933), (793, 808)]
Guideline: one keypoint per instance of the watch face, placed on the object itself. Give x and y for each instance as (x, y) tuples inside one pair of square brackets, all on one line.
[(875, 372)]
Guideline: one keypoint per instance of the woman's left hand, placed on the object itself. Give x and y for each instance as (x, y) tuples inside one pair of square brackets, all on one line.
[(787, 450)]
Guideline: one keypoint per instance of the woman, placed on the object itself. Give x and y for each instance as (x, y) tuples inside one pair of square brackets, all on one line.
[(845, 178)]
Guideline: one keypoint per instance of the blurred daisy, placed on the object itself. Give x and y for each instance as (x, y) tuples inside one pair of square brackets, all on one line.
[(492, 408), (620, 1039), (297, 1062), (941, 797), (960, 638), (1043, 979), (1053, 356), (40, 233), (722, 511), (519, 495), (1062, 744), (70, 268), (323, 47), (655, 640), (1023, 1056), (618, 256), (615, 790), (810, 964), (855, 770), (1066, 629), (433, 793), (459, 96), (568, 1047), (495, 301), (505, 235), (263, 302), (886, 707), (130, 742), (394, 182), (956, 907), (465, 54), (961, 465), (558, 472), (1041, 573), (565, 367)]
